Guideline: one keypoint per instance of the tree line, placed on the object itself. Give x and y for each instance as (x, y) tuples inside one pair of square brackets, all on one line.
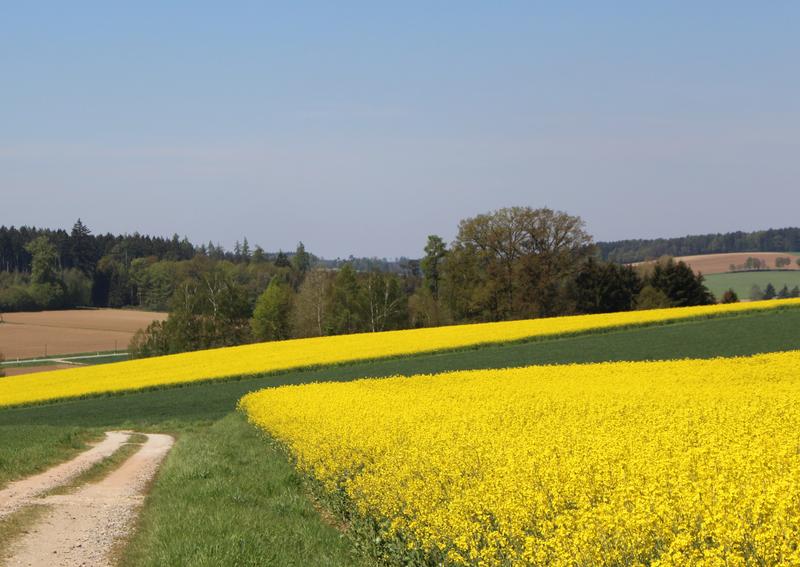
[(752, 264), (772, 240), (106, 270), (508, 264), (769, 292), (512, 263)]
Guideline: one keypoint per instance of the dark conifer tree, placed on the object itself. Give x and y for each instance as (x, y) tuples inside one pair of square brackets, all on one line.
[(680, 284), (282, 260)]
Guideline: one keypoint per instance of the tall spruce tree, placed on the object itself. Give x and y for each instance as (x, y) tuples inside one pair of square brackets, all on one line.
[(82, 248)]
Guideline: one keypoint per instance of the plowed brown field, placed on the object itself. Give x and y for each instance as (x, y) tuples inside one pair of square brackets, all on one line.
[(709, 264), (30, 335)]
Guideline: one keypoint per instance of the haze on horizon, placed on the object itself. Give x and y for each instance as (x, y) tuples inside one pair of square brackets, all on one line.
[(360, 128)]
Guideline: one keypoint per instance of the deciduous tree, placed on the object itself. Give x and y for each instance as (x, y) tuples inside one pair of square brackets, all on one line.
[(514, 262), (310, 312), (348, 313), (271, 315)]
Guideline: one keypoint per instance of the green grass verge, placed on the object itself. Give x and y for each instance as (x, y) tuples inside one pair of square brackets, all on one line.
[(47, 362), (106, 359), (225, 497), (741, 282), (53, 360)]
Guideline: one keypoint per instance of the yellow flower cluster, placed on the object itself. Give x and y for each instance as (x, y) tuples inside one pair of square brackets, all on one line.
[(285, 355), (691, 462)]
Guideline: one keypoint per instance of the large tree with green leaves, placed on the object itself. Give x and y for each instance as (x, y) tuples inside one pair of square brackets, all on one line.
[(387, 303), (431, 264), (208, 311), (44, 260), (270, 320), (311, 306), (514, 262), (301, 261), (46, 289), (348, 311)]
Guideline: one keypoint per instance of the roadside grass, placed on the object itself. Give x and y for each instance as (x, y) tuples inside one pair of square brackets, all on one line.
[(102, 357), (27, 449), (105, 359), (101, 469), (225, 497), (23, 364)]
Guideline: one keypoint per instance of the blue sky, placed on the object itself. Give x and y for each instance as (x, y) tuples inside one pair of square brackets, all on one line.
[(361, 127)]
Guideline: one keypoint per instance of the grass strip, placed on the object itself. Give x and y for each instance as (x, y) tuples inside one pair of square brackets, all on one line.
[(224, 497), (101, 469)]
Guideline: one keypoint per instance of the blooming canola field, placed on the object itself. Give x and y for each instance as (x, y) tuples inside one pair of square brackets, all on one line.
[(689, 462), (287, 355)]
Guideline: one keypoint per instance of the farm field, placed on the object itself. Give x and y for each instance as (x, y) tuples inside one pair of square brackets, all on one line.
[(615, 463), (279, 356), (32, 366), (709, 264), (741, 282), (244, 475), (18, 370), (47, 333)]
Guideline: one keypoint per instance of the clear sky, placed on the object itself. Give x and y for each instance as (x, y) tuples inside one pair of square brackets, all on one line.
[(361, 127)]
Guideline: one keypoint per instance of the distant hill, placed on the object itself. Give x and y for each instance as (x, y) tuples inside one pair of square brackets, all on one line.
[(771, 240)]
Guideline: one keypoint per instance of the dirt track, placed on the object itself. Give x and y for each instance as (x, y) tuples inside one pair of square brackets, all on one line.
[(83, 527), (20, 493), (28, 335)]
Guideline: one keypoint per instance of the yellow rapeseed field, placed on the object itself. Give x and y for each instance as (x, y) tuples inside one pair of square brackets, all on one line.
[(692, 462), (285, 355)]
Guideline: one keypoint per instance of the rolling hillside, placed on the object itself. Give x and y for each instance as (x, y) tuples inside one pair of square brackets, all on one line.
[(222, 468)]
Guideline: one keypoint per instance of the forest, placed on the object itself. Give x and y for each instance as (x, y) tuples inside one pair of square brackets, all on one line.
[(772, 240), (512, 263)]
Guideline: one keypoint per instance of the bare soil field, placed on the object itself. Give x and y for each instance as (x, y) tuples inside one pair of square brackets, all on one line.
[(47, 333), (16, 371), (708, 264)]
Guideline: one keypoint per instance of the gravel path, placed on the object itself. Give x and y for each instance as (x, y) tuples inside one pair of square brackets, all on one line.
[(18, 494), (82, 528)]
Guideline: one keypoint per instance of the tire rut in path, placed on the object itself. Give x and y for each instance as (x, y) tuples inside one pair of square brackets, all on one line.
[(19, 493), (82, 528)]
